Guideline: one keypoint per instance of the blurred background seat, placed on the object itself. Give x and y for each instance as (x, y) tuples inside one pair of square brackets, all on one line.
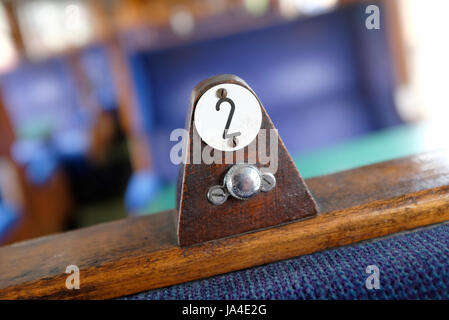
[(313, 76), (8, 217), (91, 90)]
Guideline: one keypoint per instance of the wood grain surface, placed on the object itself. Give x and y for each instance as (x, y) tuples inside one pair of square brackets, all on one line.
[(137, 254)]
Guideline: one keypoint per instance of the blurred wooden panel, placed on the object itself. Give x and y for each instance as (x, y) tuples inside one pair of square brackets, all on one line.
[(6, 131), (46, 210)]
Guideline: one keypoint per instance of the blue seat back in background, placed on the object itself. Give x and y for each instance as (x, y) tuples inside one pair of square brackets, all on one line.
[(322, 80), (96, 64), (42, 102)]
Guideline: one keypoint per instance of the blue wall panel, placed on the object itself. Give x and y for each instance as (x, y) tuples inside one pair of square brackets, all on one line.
[(322, 80)]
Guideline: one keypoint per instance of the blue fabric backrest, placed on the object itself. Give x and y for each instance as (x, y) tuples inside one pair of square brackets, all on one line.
[(96, 64), (41, 96), (43, 104), (410, 266)]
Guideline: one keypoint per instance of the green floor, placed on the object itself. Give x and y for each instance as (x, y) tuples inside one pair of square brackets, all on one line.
[(104, 211)]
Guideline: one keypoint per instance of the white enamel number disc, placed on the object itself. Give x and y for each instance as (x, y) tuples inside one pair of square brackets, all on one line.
[(235, 124)]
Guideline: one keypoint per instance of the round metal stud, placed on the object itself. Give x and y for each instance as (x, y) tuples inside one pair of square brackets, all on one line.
[(217, 195), (243, 181), (233, 142), (268, 182), (221, 93)]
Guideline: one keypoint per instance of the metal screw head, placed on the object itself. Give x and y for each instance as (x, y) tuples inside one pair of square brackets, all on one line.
[(233, 142), (217, 195), (268, 182), (243, 181), (221, 93)]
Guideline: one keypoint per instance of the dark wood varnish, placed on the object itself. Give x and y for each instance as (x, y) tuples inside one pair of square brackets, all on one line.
[(137, 254), (200, 221)]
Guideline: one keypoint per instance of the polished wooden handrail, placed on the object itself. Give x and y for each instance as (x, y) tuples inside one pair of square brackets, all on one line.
[(137, 254)]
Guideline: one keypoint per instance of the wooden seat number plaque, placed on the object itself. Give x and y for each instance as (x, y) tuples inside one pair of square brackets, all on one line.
[(237, 175)]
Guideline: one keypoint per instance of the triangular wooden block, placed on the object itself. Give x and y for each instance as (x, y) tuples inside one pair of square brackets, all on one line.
[(199, 220)]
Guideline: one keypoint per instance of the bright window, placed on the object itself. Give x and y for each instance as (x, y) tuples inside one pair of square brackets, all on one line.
[(52, 26), (8, 55)]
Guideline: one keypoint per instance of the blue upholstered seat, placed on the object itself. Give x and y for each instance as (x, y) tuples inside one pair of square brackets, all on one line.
[(411, 265), (327, 75), (50, 124), (9, 216)]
